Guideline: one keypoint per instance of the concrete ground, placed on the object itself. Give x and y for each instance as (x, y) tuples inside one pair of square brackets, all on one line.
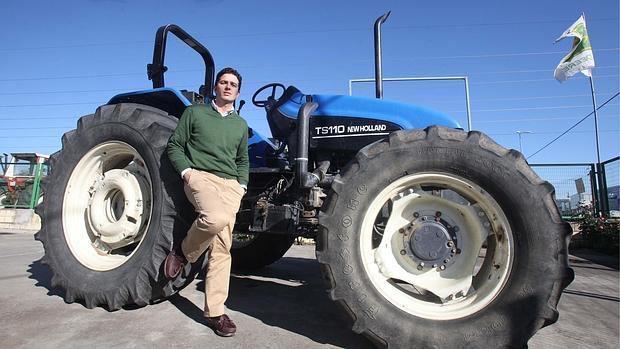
[(282, 306)]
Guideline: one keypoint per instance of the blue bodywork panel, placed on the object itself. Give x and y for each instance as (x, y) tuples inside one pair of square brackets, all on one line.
[(258, 146), (173, 91), (406, 115), (167, 99)]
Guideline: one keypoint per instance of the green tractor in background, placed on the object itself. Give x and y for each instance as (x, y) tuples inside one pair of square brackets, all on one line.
[(20, 180)]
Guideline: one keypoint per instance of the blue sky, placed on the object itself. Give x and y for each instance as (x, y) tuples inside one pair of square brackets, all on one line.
[(61, 59)]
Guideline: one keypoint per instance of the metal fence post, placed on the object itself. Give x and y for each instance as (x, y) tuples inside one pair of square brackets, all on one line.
[(603, 190), (604, 187), (595, 196)]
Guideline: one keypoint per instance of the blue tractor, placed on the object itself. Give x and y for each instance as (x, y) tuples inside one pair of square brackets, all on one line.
[(427, 235)]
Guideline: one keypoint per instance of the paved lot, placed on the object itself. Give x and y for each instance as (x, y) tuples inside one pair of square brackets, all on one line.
[(283, 306)]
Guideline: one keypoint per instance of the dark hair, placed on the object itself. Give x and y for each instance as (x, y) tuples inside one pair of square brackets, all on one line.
[(228, 70)]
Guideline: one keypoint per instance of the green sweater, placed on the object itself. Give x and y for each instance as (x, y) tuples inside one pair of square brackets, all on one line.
[(207, 141)]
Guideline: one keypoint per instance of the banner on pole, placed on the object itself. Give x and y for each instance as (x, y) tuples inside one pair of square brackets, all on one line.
[(580, 58)]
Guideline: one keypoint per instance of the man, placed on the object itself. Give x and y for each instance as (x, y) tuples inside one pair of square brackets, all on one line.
[(209, 148)]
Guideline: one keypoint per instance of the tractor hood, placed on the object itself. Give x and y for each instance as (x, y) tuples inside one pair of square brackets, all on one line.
[(408, 116)]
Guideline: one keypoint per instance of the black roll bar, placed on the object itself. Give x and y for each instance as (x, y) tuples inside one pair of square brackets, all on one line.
[(157, 69)]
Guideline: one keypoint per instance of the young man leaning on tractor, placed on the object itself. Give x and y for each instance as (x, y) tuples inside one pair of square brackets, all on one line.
[(209, 149)]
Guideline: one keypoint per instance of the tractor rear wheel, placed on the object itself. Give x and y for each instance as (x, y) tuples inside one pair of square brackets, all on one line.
[(114, 206), (439, 238)]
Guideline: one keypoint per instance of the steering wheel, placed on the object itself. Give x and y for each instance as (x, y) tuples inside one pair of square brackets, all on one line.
[(270, 98)]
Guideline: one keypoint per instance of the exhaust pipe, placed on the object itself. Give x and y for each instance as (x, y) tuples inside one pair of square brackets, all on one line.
[(306, 179), (378, 69)]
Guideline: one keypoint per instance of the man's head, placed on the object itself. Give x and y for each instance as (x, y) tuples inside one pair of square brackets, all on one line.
[(227, 85)]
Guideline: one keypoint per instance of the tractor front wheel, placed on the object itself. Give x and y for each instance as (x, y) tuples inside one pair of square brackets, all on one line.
[(439, 238)]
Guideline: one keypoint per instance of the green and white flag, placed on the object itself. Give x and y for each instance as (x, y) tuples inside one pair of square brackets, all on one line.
[(580, 58)]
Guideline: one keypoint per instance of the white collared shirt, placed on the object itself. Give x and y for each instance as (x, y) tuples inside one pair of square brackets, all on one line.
[(224, 114)]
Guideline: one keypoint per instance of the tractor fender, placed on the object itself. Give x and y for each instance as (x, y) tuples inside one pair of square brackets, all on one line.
[(170, 100)]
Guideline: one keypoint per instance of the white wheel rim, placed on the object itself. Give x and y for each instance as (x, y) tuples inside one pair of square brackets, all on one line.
[(412, 268), (107, 206)]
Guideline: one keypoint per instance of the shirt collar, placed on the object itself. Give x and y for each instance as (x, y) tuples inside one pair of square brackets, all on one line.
[(226, 113)]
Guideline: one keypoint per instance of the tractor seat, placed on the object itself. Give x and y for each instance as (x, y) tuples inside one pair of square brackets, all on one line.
[(282, 117)]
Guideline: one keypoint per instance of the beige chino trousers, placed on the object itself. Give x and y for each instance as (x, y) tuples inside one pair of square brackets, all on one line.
[(216, 201)]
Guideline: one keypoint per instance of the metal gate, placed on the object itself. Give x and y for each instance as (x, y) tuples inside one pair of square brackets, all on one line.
[(577, 188)]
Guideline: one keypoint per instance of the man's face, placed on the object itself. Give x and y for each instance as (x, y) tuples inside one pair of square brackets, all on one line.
[(227, 88)]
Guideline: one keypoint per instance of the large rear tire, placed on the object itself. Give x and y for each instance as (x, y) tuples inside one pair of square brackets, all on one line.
[(439, 238), (114, 206)]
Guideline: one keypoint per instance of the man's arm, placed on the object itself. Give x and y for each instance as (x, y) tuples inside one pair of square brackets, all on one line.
[(242, 160), (177, 142)]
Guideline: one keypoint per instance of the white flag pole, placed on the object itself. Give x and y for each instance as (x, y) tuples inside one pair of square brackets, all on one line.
[(599, 175), (602, 191), (598, 152)]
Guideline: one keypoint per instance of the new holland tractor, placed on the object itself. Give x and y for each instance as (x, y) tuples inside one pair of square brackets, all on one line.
[(427, 236)]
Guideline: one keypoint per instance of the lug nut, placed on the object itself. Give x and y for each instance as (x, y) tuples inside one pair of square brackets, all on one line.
[(420, 267), (403, 252), (416, 215), (443, 267), (438, 214), (401, 230)]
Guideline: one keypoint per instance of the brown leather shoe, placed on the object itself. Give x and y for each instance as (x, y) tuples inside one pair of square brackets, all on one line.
[(173, 264), (222, 325)]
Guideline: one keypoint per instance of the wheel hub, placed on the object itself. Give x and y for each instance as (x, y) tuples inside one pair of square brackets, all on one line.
[(115, 208), (430, 244)]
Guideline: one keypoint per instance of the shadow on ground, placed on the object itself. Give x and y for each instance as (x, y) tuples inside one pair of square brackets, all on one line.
[(42, 274), (594, 257), (289, 294)]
